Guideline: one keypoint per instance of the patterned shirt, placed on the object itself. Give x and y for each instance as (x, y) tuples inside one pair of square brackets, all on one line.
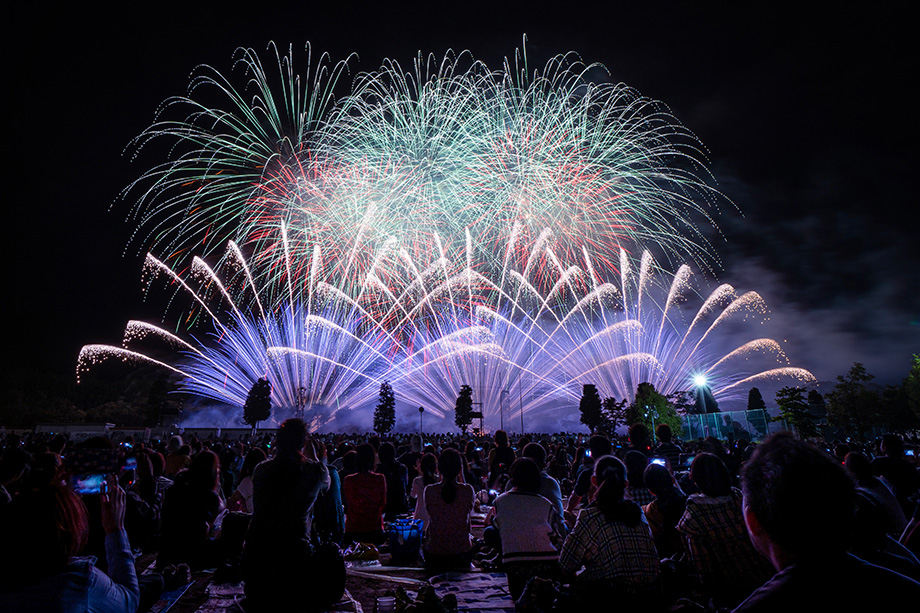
[(640, 495), (611, 551), (717, 541)]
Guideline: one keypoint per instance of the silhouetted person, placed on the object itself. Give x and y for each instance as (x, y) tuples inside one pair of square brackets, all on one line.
[(799, 508), (276, 559)]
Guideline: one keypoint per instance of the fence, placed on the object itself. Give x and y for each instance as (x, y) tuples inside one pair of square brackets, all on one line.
[(749, 425)]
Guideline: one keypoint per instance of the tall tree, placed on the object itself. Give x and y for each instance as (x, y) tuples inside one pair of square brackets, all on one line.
[(895, 411), (705, 401), (613, 415), (755, 400), (590, 407), (463, 411), (912, 385), (385, 412), (794, 410), (651, 408), (258, 405), (852, 405), (683, 402), (816, 405)]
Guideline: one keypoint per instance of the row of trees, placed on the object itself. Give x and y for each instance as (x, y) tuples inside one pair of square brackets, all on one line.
[(853, 406), (649, 407)]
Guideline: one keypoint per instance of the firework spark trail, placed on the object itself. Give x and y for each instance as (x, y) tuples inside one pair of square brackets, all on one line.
[(437, 329), (93, 354), (139, 330), (224, 155)]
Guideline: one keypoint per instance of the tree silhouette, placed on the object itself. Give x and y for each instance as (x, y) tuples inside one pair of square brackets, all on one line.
[(463, 411), (912, 385), (851, 405), (590, 407), (705, 401), (385, 412), (258, 405), (651, 408), (794, 410), (613, 413), (755, 400), (683, 402)]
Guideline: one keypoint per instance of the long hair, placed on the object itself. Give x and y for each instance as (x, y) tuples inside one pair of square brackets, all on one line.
[(292, 436), (429, 468), (42, 529), (253, 458), (450, 466), (709, 473), (610, 474), (366, 458), (204, 471)]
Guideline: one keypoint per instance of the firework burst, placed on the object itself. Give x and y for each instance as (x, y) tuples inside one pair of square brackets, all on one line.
[(446, 148)]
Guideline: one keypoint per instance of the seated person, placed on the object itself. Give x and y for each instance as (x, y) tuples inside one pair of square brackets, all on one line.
[(43, 531), (665, 510), (241, 498), (613, 543), (549, 487), (397, 481), (365, 494), (799, 509), (448, 543), (727, 565), (277, 569), (428, 467), (637, 491), (529, 528), (190, 508)]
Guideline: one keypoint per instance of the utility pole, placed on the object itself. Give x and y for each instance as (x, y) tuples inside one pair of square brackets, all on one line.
[(301, 401)]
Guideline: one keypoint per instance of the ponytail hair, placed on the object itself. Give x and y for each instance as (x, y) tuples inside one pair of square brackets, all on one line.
[(610, 474), (429, 468)]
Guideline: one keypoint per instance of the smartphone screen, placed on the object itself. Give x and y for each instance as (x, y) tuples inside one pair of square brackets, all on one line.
[(89, 484)]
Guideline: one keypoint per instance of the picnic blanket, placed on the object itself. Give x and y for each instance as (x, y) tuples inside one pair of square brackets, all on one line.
[(226, 597), (475, 591)]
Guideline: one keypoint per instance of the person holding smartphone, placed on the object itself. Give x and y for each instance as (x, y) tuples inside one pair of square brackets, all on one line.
[(44, 531)]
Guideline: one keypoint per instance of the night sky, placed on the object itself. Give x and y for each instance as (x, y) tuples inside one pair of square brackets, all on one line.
[(806, 117)]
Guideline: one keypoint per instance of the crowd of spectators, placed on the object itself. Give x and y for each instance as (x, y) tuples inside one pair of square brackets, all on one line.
[(643, 520)]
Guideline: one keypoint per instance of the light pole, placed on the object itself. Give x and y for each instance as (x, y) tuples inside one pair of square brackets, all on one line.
[(653, 413), (421, 410), (301, 401)]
